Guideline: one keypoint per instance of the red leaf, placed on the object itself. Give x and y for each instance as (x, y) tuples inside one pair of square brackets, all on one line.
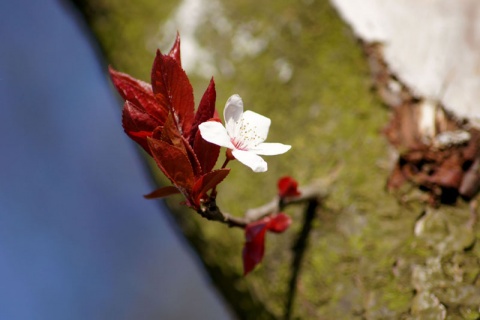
[(216, 116), (207, 153), (206, 109), (254, 248), (141, 134), (175, 51), (173, 90), (140, 95), (174, 164), (135, 122), (288, 187), (170, 134), (279, 222), (162, 192), (197, 168), (207, 182)]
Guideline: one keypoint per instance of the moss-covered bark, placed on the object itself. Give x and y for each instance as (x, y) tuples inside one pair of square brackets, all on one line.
[(367, 255)]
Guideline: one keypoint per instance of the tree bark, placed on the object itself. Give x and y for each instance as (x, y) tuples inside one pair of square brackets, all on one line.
[(361, 253)]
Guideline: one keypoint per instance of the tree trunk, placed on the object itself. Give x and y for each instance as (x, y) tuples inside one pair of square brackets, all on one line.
[(362, 254)]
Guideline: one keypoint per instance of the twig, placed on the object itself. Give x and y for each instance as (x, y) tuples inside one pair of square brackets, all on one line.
[(299, 252), (316, 191)]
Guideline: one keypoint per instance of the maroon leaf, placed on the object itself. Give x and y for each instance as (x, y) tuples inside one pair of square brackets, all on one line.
[(197, 168), (279, 222), (137, 124), (169, 133), (206, 109), (207, 153), (173, 163), (175, 51), (173, 90), (140, 95), (216, 116), (207, 182), (254, 247), (162, 192), (288, 187), (141, 134)]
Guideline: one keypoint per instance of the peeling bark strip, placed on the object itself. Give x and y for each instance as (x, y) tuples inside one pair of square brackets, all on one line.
[(436, 152)]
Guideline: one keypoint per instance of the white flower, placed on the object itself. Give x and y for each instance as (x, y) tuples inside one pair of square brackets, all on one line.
[(244, 133)]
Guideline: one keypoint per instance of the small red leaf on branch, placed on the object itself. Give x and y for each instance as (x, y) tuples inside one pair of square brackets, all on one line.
[(206, 109), (173, 90), (254, 248), (279, 222), (141, 134), (207, 153), (175, 51), (137, 124), (162, 192), (207, 182), (288, 187), (170, 134), (140, 94), (174, 164)]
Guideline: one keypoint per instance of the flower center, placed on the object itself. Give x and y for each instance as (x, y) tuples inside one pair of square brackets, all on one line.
[(246, 135), (239, 144)]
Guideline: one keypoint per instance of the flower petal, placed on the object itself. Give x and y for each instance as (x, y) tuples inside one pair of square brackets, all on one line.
[(250, 159), (254, 129), (233, 114), (214, 132), (270, 149)]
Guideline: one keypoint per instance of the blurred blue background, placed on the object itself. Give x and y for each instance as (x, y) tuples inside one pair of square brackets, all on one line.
[(77, 239)]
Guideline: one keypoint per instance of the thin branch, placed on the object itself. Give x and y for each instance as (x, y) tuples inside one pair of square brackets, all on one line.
[(315, 191), (299, 252)]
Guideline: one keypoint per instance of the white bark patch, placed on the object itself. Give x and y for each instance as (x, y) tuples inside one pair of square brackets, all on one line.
[(433, 46)]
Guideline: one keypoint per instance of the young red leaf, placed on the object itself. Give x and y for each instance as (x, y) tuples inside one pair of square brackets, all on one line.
[(174, 164), (197, 168), (288, 187), (140, 95), (141, 134), (206, 109), (254, 247), (169, 133), (207, 153), (162, 192), (137, 124), (207, 182), (279, 222), (216, 116), (173, 90), (175, 51)]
